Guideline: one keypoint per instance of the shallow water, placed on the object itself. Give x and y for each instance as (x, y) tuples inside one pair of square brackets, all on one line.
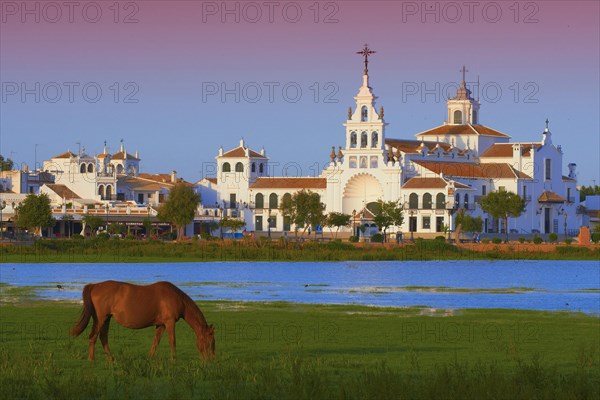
[(539, 285)]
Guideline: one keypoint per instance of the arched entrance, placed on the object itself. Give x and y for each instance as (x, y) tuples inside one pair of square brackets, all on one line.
[(359, 191)]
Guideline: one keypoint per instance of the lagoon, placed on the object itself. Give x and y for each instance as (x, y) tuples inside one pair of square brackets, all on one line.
[(512, 284)]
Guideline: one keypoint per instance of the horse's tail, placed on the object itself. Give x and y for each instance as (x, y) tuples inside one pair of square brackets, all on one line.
[(87, 312)]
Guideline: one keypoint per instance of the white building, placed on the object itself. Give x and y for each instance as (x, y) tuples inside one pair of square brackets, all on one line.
[(446, 168)]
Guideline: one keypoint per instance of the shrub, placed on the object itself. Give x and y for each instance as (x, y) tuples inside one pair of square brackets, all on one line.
[(568, 241), (440, 238), (102, 236), (496, 240), (485, 240), (552, 237), (521, 240), (353, 239), (377, 238), (537, 239), (596, 237)]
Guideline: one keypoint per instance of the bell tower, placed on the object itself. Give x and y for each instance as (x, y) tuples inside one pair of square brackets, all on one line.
[(462, 108), (365, 125)]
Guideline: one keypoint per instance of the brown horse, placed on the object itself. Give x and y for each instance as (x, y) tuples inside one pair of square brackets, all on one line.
[(160, 304)]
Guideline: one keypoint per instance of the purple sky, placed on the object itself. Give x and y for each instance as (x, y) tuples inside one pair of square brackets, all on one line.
[(542, 56)]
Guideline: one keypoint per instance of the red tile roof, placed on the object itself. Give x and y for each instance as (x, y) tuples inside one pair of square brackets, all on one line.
[(506, 150), (121, 156), (419, 182), (66, 154), (289, 183), (63, 191), (241, 152), (462, 130), (414, 146), (550, 197), (473, 170)]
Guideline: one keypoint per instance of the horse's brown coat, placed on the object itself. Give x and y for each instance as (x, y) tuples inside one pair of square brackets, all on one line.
[(160, 304)]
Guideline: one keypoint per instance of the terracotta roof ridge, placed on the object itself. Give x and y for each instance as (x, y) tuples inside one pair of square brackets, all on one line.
[(474, 130)]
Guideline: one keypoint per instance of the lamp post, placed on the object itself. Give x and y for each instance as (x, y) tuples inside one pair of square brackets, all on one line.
[(565, 215), (269, 223), (106, 206), (410, 227), (221, 222), (2, 207), (354, 222)]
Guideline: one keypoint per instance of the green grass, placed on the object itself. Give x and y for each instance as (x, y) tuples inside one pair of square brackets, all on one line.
[(283, 350), (97, 250)]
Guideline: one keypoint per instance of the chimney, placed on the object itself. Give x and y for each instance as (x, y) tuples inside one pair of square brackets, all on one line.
[(174, 176), (572, 171)]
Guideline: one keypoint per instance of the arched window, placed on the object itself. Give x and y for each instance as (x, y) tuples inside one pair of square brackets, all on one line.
[(363, 140), (253, 167), (101, 192), (259, 200), (413, 201), (352, 161), (374, 139), (119, 169), (474, 117), (239, 167), (261, 168), (82, 168), (363, 162), (226, 167), (440, 201), (466, 201), (273, 201), (457, 200), (109, 192), (458, 117), (364, 114), (353, 140), (287, 198), (427, 200), (90, 167)]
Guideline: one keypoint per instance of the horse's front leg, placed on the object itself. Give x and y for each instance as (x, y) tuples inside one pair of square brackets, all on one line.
[(157, 336), (104, 338), (170, 325)]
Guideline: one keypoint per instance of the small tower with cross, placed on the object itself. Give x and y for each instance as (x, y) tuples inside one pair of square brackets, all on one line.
[(365, 125), (463, 108)]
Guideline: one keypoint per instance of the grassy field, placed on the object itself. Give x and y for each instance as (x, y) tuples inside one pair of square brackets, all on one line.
[(97, 250), (282, 350)]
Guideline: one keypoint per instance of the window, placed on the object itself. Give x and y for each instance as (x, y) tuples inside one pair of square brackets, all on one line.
[(259, 200), (353, 162), (353, 140), (261, 168), (502, 188), (466, 201), (140, 198), (287, 222), (82, 168), (548, 169), (232, 200), (413, 201), (101, 192), (363, 162), (483, 190), (363, 140), (457, 200), (258, 223), (253, 167), (273, 201), (440, 201), (226, 167), (427, 201), (109, 192), (364, 114), (373, 162), (457, 117), (474, 117), (272, 221), (569, 199), (426, 222), (239, 167), (119, 169), (374, 139), (90, 167), (524, 192)]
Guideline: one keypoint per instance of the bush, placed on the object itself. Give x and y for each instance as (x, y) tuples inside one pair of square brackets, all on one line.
[(102, 236), (353, 239), (552, 237), (377, 238), (596, 237), (496, 240), (537, 239), (485, 240), (568, 241), (521, 240), (440, 238)]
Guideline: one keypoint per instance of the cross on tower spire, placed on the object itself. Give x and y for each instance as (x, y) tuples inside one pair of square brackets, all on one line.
[(547, 122), (366, 52), (464, 70)]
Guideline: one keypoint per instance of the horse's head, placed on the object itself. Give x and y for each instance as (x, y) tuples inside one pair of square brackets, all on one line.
[(206, 342)]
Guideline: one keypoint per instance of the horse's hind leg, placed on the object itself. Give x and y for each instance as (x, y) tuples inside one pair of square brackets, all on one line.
[(93, 337), (171, 332), (157, 336), (104, 337)]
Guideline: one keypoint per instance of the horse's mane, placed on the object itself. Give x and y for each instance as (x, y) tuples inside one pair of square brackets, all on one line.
[(190, 304)]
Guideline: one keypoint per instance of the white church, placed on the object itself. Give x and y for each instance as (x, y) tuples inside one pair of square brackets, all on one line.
[(442, 170)]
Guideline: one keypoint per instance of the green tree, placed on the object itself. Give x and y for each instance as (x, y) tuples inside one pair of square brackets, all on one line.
[(388, 213), (585, 191), (337, 220), (94, 222), (468, 223), (34, 213), (6, 164), (304, 209), (503, 205), (233, 224), (147, 222), (116, 229), (180, 207), (68, 218)]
